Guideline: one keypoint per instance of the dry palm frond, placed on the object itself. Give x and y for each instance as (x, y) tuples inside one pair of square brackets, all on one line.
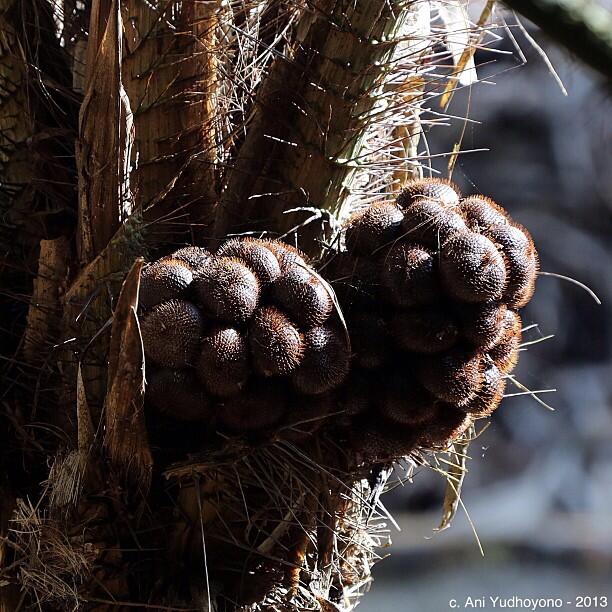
[(258, 502), (51, 564)]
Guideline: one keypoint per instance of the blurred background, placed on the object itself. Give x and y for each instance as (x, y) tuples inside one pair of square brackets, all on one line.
[(539, 487)]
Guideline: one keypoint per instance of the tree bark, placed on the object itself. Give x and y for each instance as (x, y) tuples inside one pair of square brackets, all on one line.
[(306, 134)]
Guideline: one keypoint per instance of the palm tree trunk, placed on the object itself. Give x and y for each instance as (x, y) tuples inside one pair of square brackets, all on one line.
[(195, 120), (308, 127)]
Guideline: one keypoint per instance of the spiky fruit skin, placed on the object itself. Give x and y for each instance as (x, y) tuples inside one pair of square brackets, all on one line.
[(276, 343), (303, 296), (490, 394), (482, 325), (228, 289), (223, 366), (434, 283), (257, 318), (505, 353), (521, 262), (480, 213), (428, 223), (287, 255), (373, 227), (381, 442), (194, 257), (454, 376), (440, 190), (171, 333), (255, 254), (164, 280), (472, 269), (439, 314), (325, 363)]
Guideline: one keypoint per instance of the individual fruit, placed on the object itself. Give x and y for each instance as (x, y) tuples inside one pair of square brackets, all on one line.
[(454, 376), (440, 190), (164, 280), (305, 298), (325, 363), (480, 213), (373, 227), (228, 289), (472, 269), (195, 257), (171, 333), (482, 324), (428, 223), (276, 343), (256, 254), (223, 366)]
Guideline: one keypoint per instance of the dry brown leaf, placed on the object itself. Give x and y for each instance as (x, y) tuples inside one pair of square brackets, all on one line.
[(126, 437), (103, 152)]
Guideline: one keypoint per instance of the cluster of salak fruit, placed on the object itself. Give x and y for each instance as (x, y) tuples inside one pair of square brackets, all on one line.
[(247, 337), (250, 338)]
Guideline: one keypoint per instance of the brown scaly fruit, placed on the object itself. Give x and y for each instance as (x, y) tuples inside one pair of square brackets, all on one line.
[(441, 190), (447, 424), (164, 280), (489, 395), (482, 324), (258, 316), (443, 291), (373, 227), (303, 296), (228, 289), (325, 363), (286, 254), (194, 257), (521, 262), (378, 442), (276, 343), (454, 376), (256, 254), (505, 353), (223, 366), (472, 269), (171, 333), (480, 213), (428, 223)]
